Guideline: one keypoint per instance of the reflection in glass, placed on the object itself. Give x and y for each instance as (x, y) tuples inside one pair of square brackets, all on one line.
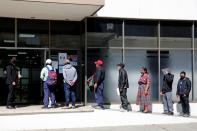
[(65, 34), (104, 33), (33, 33), (7, 37), (177, 61), (111, 58), (141, 34), (176, 34), (134, 60)]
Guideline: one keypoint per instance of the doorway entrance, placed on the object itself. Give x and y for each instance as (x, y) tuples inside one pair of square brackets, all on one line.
[(30, 62)]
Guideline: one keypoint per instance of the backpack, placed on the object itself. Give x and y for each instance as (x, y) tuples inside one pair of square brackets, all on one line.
[(52, 77)]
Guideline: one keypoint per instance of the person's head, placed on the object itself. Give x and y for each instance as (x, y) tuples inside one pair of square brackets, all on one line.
[(166, 71), (13, 60), (98, 63), (143, 70), (67, 61), (120, 65), (182, 74), (48, 62)]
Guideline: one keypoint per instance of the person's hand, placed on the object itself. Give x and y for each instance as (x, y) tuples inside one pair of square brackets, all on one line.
[(161, 94), (72, 83), (146, 93), (95, 86), (177, 96), (13, 83), (121, 90)]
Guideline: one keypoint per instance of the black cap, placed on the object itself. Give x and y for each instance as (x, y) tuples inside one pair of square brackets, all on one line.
[(121, 65)]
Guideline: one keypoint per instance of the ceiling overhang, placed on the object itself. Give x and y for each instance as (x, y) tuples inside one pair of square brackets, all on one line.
[(74, 10)]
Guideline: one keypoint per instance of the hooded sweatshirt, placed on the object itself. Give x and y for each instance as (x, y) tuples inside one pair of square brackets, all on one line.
[(69, 73)]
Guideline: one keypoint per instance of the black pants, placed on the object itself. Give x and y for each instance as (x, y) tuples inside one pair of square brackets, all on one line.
[(11, 95), (185, 104), (123, 98)]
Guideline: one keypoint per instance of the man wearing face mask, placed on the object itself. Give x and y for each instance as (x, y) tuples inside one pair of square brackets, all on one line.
[(11, 81), (183, 90)]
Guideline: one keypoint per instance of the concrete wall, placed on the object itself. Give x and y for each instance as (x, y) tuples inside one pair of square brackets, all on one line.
[(150, 9)]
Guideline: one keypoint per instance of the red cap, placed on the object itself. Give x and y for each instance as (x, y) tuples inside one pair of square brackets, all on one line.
[(98, 62)]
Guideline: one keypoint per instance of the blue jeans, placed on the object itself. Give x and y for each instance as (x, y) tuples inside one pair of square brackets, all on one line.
[(69, 92), (48, 92), (167, 102), (99, 95)]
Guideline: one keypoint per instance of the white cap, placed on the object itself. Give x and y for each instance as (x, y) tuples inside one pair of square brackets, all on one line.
[(48, 61)]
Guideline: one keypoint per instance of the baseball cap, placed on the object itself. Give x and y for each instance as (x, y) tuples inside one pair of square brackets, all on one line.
[(98, 62), (48, 61)]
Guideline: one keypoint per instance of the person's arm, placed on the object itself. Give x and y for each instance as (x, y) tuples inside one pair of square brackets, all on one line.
[(64, 75), (188, 83), (42, 74), (147, 85), (9, 74), (123, 82), (75, 78), (98, 76), (177, 91)]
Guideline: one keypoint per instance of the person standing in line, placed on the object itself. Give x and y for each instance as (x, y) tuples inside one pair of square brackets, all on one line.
[(70, 78), (144, 95), (11, 80), (123, 84), (166, 92), (49, 78), (183, 91), (99, 84)]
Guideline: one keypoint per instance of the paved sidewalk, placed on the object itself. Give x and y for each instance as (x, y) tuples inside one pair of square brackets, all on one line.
[(36, 109), (108, 119)]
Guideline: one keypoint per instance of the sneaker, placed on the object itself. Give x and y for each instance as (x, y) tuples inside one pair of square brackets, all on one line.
[(73, 107), (45, 107), (54, 106), (171, 113), (10, 107), (186, 115), (165, 113), (99, 107)]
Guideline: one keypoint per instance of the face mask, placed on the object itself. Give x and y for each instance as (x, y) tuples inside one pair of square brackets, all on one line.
[(182, 77)]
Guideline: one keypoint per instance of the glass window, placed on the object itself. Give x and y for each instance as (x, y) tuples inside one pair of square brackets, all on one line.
[(176, 34), (33, 33), (111, 58), (65, 34), (104, 33), (195, 35), (7, 32), (134, 60), (176, 61), (141, 34)]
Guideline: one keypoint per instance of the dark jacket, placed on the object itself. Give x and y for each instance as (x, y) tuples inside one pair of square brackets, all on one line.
[(11, 73), (99, 76), (186, 87), (123, 79), (167, 83)]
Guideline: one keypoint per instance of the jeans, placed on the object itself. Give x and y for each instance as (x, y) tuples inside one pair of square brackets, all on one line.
[(185, 104), (167, 102), (49, 91), (99, 95), (69, 92), (123, 97), (11, 95)]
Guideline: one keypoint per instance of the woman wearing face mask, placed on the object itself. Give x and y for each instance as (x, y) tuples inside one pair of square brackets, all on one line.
[(143, 95)]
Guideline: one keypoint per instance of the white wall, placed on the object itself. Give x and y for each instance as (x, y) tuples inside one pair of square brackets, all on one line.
[(150, 9)]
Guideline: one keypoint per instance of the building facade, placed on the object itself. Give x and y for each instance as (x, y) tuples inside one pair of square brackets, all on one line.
[(139, 34)]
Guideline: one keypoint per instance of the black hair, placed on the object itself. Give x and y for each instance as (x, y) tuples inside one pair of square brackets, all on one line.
[(145, 70), (183, 72)]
